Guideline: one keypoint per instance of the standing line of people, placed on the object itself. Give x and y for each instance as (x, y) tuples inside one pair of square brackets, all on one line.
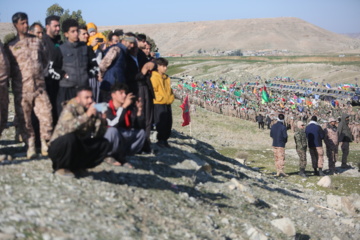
[(312, 136)]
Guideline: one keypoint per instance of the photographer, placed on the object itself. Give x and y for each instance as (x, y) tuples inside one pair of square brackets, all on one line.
[(125, 125), (77, 142)]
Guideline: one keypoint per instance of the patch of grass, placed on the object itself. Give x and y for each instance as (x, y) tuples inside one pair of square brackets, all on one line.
[(264, 160), (176, 68), (207, 67)]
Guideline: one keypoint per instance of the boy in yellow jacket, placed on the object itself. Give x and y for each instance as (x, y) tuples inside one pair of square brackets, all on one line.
[(164, 97)]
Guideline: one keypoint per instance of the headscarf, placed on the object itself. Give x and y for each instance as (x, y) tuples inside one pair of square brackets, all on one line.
[(92, 27)]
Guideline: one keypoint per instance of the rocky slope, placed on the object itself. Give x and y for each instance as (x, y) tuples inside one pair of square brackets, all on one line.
[(192, 191)]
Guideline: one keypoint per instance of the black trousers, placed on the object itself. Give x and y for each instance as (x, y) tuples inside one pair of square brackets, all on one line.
[(52, 89), (64, 94), (163, 121), (147, 112), (74, 153)]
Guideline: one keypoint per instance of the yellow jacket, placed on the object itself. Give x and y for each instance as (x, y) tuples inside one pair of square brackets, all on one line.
[(162, 88), (97, 35)]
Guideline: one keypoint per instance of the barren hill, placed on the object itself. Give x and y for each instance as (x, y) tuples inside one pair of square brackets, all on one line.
[(286, 33)]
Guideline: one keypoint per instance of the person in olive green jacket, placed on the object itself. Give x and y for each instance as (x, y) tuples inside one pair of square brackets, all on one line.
[(164, 97)]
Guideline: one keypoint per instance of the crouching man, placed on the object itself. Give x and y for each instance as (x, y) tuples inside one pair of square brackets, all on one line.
[(126, 125), (77, 142)]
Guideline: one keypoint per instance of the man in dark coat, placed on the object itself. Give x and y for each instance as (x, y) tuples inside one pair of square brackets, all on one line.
[(279, 136), (315, 135)]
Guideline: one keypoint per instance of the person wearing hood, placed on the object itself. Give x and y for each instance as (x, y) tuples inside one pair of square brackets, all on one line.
[(332, 143), (345, 137), (315, 135), (279, 135), (96, 39), (301, 146)]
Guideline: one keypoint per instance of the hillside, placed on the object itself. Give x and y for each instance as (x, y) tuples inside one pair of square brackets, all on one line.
[(291, 34), (287, 35), (217, 183)]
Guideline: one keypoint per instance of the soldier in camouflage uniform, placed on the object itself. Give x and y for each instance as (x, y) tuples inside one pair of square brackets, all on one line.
[(77, 142), (4, 96), (332, 144), (27, 63), (301, 146)]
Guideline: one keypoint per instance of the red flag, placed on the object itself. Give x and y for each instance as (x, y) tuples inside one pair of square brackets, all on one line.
[(186, 113)]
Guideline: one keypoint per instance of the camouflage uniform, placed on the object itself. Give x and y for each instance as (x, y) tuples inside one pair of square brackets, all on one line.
[(27, 61), (301, 146), (279, 155), (317, 157), (77, 142), (73, 118), (331, 142), (4, 96)]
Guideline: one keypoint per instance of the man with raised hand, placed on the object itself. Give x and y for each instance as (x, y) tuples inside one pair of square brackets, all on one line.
[(77, 142)]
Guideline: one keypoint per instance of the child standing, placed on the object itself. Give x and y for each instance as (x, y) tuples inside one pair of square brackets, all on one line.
[(164, 97)]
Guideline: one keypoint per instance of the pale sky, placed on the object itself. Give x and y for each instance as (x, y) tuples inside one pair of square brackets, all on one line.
[(340, 16)]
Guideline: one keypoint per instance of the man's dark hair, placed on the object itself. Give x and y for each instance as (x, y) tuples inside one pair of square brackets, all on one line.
[(80, 89), (148, 43), (19, 16), (51, 18), (161, 61), (32, 27), (314, 118), (281, 116), (68, 23), (141, 37), (111, 34), (83, 27), (118, 32), (130, 34), (119, 87)]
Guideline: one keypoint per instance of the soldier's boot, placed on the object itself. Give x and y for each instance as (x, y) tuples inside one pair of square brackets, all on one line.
[(31, 152), (321, 173), (44, 147), (316, 173), (302, 172)]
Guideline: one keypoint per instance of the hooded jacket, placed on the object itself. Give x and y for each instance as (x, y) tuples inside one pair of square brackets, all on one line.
[(344, 130), (162, 88), (314, 134), (97, 35)]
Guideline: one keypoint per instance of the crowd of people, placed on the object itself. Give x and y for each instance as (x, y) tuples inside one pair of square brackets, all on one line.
[(95, 98), (87, 100), (312, 120)]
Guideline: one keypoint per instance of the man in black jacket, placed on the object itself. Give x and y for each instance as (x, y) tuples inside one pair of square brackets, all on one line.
[(78, 61), (52, 42)]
